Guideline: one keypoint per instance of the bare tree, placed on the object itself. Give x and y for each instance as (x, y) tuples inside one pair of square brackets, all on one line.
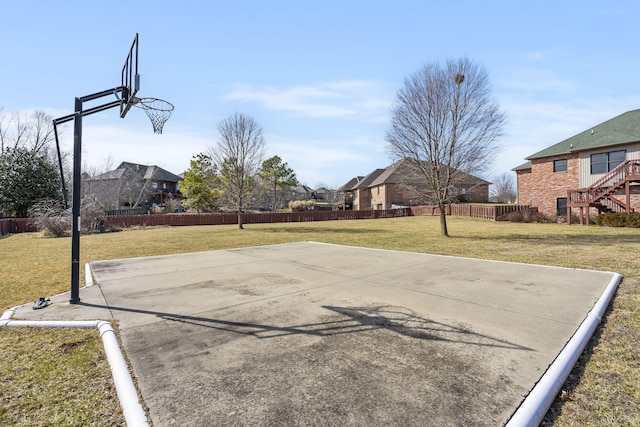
[(136, 187), (32, 131), (238, 156), (503, 189), (445, 124), (4, 131)]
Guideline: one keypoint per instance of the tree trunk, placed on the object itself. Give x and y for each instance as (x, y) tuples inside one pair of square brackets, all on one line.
[(240, 226), (443, 220)]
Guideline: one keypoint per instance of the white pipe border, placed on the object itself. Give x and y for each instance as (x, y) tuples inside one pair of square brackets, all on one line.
[(88, 276), (132, 410), (530, 412), (535, 406)]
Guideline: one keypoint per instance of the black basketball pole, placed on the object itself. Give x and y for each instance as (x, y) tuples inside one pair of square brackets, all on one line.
[(77, 175), (75, 209), (124, 99)]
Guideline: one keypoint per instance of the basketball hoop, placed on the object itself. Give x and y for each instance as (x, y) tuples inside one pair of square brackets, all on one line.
[(157, 110)]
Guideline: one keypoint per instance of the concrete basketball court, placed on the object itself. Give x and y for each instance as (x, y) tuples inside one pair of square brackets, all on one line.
[(318, 334)]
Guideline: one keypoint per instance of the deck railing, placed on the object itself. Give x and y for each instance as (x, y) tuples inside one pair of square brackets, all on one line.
[(605, 186)]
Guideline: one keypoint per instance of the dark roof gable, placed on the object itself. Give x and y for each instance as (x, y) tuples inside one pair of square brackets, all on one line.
[(401, 173), (142, 171)]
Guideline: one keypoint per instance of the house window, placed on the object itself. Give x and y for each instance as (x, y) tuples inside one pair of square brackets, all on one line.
[(560, 165), (154, 185), (561, 206), (605, 162)]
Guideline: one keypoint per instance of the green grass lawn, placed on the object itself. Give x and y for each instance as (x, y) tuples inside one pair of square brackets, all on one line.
[(604, 389)]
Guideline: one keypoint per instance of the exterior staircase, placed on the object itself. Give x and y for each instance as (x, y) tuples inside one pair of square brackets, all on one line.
[(600, 194)]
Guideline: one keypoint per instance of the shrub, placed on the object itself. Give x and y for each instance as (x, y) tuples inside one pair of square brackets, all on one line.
[(629, 220), (92, 220), (527, 216), (54, 221), (461, 198), (51, 219), (301, 205), (633, 221), (575, 219)]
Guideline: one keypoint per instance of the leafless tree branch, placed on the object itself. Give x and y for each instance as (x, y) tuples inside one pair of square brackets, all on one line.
[(446, 125), (238, 156)]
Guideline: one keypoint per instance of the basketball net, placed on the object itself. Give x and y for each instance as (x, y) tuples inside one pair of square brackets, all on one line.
[(157, 110)]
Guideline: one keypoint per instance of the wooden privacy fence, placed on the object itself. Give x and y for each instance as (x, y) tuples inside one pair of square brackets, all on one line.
[(251, 218), (16, 225), (490, 212), (136, 211)]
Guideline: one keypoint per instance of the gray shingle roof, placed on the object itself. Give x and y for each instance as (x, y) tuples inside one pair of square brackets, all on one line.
[(622, 129), (349, 185), (368, 180), (143, 171), (402, 173), (523, 167), (399, 173)]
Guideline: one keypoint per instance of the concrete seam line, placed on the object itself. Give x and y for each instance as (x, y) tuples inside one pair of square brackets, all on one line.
[(535, 406)]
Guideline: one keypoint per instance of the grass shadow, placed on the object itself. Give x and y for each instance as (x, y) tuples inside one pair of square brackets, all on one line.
[(549, 239)]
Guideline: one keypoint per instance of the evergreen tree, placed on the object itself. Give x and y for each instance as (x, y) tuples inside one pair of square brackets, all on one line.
[(26, 178), (200, 184), (277, 175)]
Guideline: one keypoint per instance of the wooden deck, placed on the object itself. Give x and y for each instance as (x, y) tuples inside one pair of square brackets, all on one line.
[(600, 195)]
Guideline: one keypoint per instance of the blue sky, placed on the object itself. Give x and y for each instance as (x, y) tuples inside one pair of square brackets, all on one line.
[(318, 76)]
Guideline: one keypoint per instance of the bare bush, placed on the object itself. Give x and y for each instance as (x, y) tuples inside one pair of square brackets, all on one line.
[(527, 216), (301, 205), (93, 220), (51, 219)]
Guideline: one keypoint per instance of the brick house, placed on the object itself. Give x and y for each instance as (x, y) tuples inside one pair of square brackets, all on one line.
[(397, 185), (595, 171)]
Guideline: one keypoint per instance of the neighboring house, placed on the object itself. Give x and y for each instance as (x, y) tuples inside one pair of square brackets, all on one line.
[(346, 193), (301, 192), (133, 185), (325, 194), (397, 185), (595, 171), (360, 193)]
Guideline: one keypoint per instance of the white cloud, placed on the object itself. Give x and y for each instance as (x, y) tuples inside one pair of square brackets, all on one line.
[(170, 151), (316, 161), (346, 98)]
